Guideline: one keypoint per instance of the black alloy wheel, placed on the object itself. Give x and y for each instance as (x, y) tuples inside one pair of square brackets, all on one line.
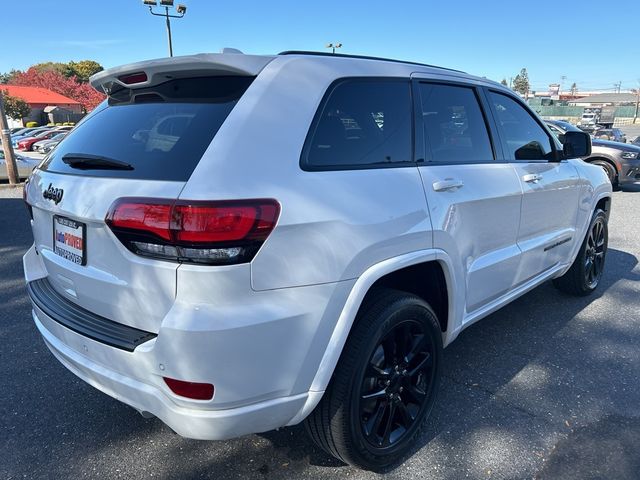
[(586, 271), (385, 384), (594, 253), (398, 378)]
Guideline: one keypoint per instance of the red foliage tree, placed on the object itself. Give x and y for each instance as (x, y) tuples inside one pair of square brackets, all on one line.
[(83, 93)]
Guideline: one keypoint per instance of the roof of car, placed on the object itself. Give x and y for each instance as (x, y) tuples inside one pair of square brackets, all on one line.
[(363, 57), (158, 70)]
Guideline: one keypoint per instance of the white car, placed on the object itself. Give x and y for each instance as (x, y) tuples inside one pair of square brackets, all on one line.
[(45, 146), (305, 244), (25, 166)]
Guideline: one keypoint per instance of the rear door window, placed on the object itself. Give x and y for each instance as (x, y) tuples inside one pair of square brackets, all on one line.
[(454, 127), (363, 123), (161, 131)]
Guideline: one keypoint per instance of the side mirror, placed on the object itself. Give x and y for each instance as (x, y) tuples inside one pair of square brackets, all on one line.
[(576, 144)]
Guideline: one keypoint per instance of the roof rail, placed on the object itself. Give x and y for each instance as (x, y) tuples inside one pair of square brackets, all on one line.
[(362, 57)]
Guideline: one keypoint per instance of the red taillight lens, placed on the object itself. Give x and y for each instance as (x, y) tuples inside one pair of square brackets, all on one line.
[(152, 218), (214, 224), (132, 78), (193, 390), (220, 232)]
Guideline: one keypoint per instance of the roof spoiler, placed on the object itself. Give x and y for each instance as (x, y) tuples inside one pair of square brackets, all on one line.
[(154, 72)]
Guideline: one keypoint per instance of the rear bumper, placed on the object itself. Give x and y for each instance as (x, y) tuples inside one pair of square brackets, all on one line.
[(260, 350), (188, 422)]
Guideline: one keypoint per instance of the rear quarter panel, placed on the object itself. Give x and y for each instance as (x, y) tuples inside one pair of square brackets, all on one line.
[(333, 225)]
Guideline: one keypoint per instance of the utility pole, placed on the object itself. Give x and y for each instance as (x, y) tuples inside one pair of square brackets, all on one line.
[(635, 115), (9, 158)]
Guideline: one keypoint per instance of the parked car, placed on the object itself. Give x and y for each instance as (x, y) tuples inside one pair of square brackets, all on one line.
[(27, 143), (19, 132), (25, 166), (30, 132), (14, 130), (299, 246), (48, 147), (613, 134), (636, 141), (620, 161), (63, 128), (42, 144)]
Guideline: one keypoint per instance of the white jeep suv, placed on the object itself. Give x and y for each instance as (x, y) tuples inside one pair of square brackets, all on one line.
[(236, 243)]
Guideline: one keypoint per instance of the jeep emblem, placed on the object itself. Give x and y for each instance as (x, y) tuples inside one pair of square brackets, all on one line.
[(54, 194)]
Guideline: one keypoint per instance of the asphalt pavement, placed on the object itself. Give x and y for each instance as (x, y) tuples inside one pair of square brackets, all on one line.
[(545, 388)]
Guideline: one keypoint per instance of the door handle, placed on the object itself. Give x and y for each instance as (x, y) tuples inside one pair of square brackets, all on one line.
[(447, 184), (532, 178)]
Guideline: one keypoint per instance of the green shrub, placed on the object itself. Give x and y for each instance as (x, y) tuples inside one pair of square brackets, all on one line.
[(58, 124), (68, 124), (31, 124)]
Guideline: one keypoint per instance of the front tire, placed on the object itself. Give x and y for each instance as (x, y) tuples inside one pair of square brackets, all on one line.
[(584, 275), (610, 170), (385, 384)]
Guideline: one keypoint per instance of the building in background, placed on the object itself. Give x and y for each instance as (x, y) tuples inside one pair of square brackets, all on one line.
[(605, 99), (46, 106)]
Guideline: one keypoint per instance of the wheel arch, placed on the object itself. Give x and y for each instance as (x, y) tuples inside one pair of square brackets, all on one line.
[(434, 263), (607, 159)]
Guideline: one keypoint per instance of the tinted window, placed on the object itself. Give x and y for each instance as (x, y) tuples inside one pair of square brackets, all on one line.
[(362, 123), (161, 131), (454, 127), (524, 137)]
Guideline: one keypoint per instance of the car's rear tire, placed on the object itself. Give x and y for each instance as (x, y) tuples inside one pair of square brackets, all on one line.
[(385, 383), (610, 170), (586, 271)]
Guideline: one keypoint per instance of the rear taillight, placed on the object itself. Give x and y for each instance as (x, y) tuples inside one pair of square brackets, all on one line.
[(212, 233)]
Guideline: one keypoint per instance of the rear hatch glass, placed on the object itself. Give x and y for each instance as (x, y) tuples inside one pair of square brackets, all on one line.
[(154, 133)]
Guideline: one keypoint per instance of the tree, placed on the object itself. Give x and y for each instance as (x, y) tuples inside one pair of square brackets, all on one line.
[(521, 82), (61, 68), (84, 69), (7, 77), (14, 107), (574, 89), (56, 82), (504, 82)]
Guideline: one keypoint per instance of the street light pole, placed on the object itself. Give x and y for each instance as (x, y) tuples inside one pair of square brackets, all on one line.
[(333, 46), (180, 9), (166, 13)]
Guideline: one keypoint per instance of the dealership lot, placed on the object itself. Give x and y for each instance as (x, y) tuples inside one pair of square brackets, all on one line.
[(545, 388)]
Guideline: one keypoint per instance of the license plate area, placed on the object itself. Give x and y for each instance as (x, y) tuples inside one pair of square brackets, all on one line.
[(69, 239)]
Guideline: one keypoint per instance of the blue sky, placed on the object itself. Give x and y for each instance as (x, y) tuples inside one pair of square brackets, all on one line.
[(492, 38)]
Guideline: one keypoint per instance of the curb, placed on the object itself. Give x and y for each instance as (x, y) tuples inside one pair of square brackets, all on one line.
[(8, 186)]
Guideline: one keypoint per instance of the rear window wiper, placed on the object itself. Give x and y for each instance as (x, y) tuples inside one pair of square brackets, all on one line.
[(87, 161)]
